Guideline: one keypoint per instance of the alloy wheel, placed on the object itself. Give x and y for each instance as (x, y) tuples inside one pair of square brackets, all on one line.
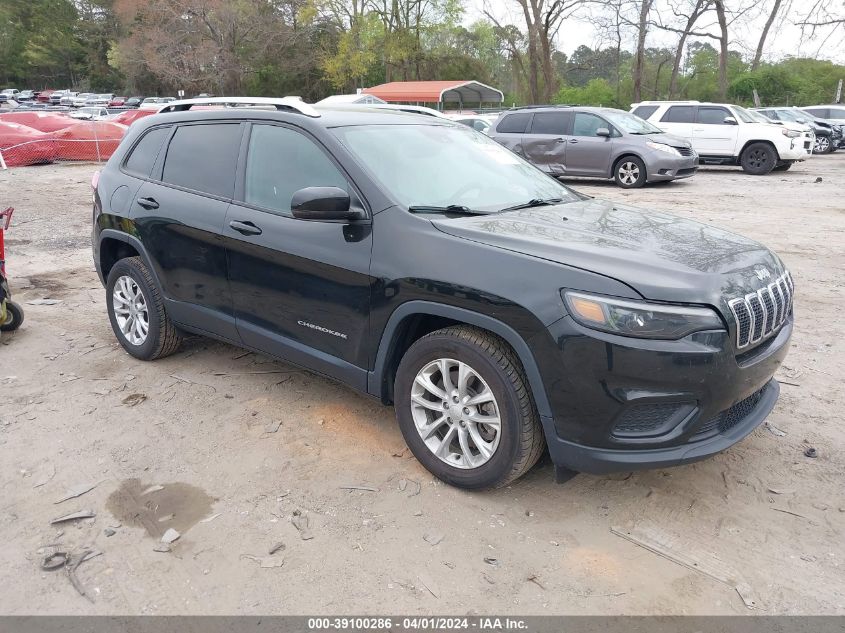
[(130, 310), (455, 413), (822, 144), (629, 173)]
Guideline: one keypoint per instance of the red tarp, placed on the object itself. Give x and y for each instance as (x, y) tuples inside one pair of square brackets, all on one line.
[(88, 140), (436, 92), (21, 145), (129, 116), (41, 121)]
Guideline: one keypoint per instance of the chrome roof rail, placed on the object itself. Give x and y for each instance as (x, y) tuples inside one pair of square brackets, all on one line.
[(290, 104)]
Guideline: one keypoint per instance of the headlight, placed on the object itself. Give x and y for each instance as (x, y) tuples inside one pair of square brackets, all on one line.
[(790, 133), (638, 318), (662, 147)]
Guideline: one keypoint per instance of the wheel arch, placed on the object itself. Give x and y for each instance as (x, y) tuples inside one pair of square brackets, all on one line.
[(115, 245), (758, 140), (624, 155), (395, 340)]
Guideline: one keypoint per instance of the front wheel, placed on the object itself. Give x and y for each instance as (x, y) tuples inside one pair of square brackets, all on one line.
[(758, 159), (14, 317), (136, 311), (630, 173), (465, 409), (822, 145)]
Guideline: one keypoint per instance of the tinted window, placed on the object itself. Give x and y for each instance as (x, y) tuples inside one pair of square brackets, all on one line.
[(645, 111), (709, 115), (514, 123), (203, 158), (587, 124), (280, 162), (836, 113), (772, 114), (550, 123), (143, 156), (819, 112), (679, 114)]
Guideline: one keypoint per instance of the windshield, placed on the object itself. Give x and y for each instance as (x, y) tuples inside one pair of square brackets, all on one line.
[(441, 165), (792, 116), (631, 123), (745, 116), (759, 118)]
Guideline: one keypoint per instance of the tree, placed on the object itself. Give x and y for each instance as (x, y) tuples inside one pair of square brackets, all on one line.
[(761, 43)]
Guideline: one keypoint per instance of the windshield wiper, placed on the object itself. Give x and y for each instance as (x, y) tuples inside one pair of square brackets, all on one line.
[(451, 208), (534, 202)]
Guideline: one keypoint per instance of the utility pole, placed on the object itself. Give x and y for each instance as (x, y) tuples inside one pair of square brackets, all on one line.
[(838, 98)]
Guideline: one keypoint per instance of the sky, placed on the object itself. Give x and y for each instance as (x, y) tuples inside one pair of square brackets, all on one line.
[(784, 38)]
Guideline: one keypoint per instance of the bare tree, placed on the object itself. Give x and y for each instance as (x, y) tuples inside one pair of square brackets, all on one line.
[(772, 15), (696, 11), (639, 59)]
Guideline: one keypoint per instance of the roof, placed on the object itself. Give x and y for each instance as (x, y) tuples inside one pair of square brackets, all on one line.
[(436, 92)]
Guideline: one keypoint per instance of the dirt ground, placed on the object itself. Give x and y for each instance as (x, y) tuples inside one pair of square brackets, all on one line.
[(240, 443)]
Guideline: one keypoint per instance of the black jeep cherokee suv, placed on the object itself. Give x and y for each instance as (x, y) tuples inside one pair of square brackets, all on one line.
[(422, 263)]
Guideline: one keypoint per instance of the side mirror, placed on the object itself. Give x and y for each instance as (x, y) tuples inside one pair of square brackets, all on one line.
[(602, 131), (322, 203), (729, 120)]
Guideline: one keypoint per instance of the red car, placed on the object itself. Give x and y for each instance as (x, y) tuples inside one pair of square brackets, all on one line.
[(117, 102), (44, 96)]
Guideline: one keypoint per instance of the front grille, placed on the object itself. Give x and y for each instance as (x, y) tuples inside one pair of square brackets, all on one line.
[(729, 418), (760, 314), (685, 151)]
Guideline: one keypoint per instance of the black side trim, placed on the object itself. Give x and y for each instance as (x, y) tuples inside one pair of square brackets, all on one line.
[(134, 242), (375, 378)]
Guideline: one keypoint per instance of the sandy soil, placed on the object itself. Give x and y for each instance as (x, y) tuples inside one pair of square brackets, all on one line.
[(240, 443)]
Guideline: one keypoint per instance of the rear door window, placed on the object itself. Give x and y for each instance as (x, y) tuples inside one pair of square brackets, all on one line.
[(679, 114), (556, 123), (143, 156), (203, 157), (711, 115), (822, 113), (281, 161), (514, 123), (836, 113)]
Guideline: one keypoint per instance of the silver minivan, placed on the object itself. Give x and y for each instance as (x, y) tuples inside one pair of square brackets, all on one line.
[(596, 143)]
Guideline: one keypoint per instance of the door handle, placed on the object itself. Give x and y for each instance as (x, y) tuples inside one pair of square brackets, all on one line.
[(698, 129), (245, 227), (147, 203), (573, 141), (560, 140)]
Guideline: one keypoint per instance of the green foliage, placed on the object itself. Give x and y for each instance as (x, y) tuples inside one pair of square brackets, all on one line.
[(597, 92)]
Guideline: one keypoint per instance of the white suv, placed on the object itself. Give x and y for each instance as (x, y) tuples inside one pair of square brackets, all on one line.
[(726, 134)]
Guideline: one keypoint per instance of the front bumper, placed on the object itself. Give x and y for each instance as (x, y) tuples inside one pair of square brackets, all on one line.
[(622, 404), (796, 149), (661, 166)]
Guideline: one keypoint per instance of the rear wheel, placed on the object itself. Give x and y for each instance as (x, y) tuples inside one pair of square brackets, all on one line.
[(136, 311), (465, 410), (629, 172), (822, 145), (758, 159)]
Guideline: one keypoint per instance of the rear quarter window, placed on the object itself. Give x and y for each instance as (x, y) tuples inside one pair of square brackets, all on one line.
[(203, 157), (514, 123), (143, 156), (645, 111)]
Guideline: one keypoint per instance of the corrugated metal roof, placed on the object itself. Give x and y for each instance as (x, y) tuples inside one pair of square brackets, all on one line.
[(436, 92)]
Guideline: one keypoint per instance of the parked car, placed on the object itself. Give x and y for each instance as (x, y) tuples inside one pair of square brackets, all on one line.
[(25, 95), (44, 96), (422, 263), (91, 113), (594, 142), (804, 129), (11, 94), (154, 103), (828, 135), (726, 134), (478, 122), (80, 99), (99, 99), (835, 112), (133, 102), (117, 102)]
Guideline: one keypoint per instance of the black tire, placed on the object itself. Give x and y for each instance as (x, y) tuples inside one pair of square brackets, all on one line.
[(521, 440), (162, 336), (623, 169), (823, 145), (14, 317), (758, 159), (784, 166)]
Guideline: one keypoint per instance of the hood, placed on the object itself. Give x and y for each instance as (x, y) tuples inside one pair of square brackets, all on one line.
[(667, 139), (661, 256)]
